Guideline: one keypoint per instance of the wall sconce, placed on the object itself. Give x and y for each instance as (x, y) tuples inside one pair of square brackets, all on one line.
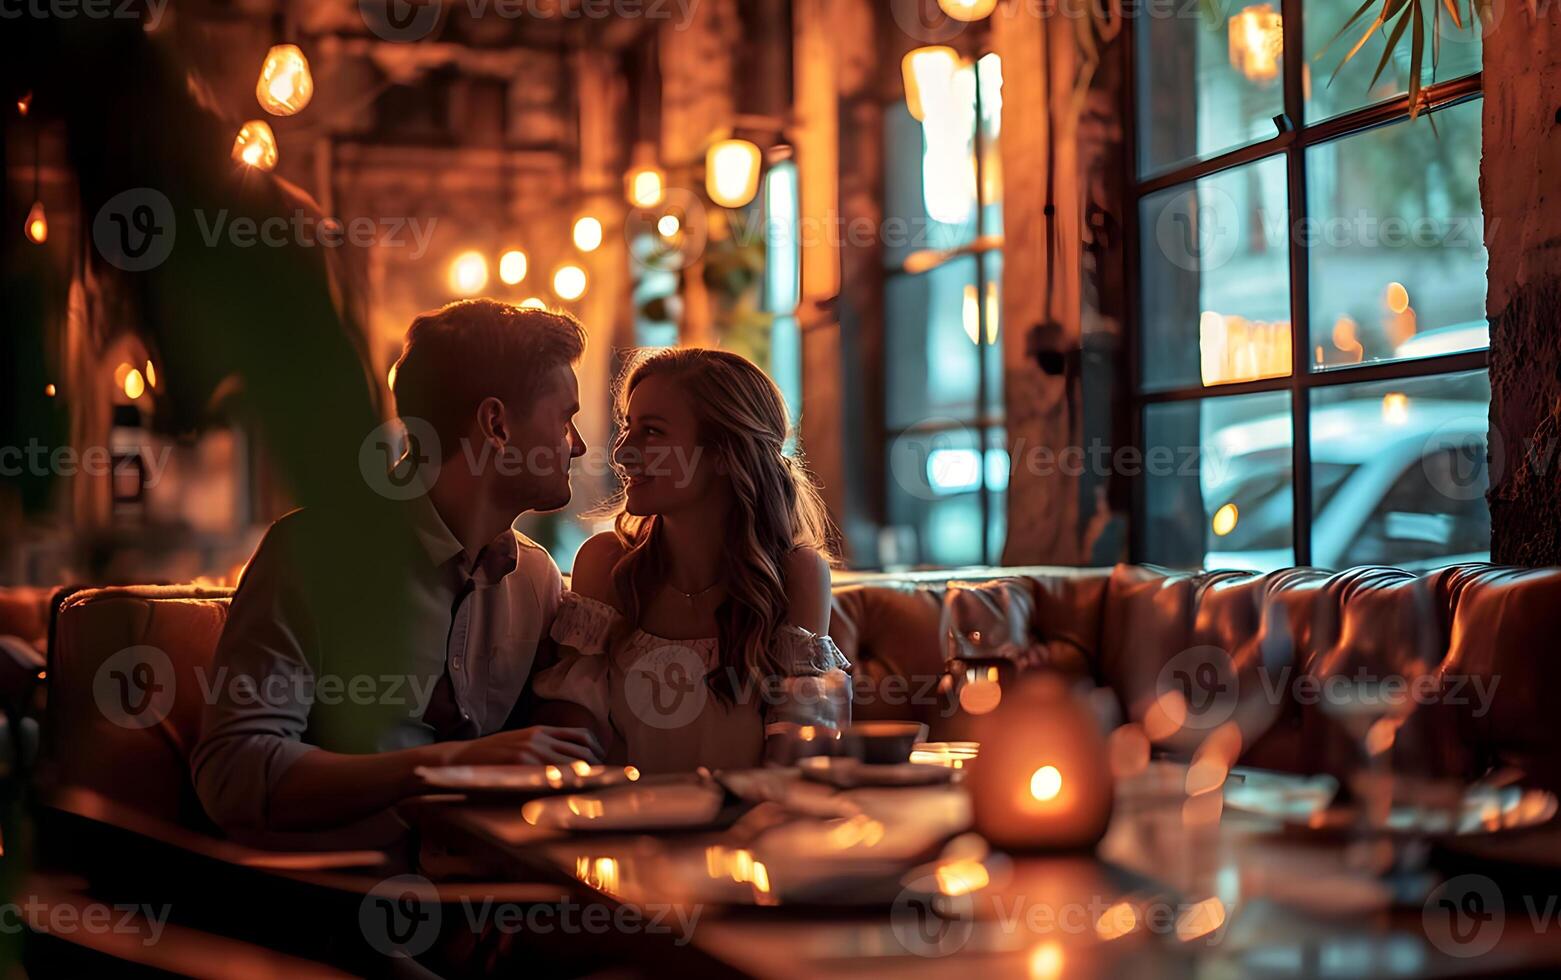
[(968, 10), (37, 224), (927, 70), (732, 172), (468, 273), (646, 183), (255, 145), (513, 266), (285, 85), (588, 234), (1257, 40)]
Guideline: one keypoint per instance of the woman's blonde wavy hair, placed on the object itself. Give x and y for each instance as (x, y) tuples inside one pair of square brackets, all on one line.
[(777, 508)]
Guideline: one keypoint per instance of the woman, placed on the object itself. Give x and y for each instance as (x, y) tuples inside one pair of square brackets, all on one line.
[(694, 631)]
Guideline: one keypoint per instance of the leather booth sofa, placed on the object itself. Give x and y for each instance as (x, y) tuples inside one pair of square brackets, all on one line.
[(1475, 646)]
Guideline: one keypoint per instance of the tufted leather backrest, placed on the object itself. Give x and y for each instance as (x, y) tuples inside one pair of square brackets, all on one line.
[(1479, 640), (123, 731)]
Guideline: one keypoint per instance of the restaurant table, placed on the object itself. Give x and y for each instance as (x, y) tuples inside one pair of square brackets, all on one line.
[(1179, 886)]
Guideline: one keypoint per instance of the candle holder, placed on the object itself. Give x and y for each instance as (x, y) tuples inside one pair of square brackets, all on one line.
[(1042, 780)]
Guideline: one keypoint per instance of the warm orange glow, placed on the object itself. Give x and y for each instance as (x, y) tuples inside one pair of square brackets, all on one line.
[(1256, 42), (1233, 348), (647, 186), (1395, 408), (1397, 297), (1225, 520), (37, 225), (24, 104), (968, 10), (962, 877), (1116, 922), (513, 266), (1046, 961), (135, 385), (532, 303), (255, 145), (668, 226), (1045, 783), (732, 172), (600, 873), (1201, 919), (468, 273), (569, 282), (122, 372), (588, 234), (49, 391), (151, 375), (1165, 716), (285, 85), (1128, 748), (980, 696), (927, 70)]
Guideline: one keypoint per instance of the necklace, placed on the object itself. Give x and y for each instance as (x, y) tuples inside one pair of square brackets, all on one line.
[(691, 596)]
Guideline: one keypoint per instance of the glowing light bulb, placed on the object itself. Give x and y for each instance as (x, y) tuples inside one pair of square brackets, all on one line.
[(588, 234), (732, 172), (255, 145), (532, 303), (468, 273), (513, 266), (151, 375), (285, 85), (647, 186), (930, 70), (1257, 42), (1395, 408), (49, 391), (668, 225), (135, 385), (24, 104), (569, 282), (968, 10), (37, 224)]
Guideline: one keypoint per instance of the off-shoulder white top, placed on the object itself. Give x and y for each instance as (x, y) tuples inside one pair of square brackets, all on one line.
[(651, 703)]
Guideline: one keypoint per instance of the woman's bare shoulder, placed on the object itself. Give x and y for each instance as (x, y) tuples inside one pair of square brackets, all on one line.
[(808, 589), (592, 573)]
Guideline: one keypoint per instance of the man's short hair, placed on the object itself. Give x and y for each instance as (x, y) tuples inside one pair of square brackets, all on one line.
[(457, 355)]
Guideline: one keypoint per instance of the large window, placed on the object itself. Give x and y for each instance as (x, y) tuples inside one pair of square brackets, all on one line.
[(1309, 372), (947, 461)]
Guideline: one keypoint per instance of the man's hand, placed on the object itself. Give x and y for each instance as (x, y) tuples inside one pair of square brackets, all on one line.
[(538, 745)]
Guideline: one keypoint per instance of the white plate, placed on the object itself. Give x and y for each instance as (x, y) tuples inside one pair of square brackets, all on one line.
[(847, 773), (524, 778), (660, 807)]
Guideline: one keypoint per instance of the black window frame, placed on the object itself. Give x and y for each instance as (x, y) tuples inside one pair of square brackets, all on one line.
[(984, 422), (1293, 137)]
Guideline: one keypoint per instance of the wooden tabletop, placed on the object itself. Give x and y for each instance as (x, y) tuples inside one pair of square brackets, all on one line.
[(1177, 887)]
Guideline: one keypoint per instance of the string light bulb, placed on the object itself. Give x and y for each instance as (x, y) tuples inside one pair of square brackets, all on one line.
[(968, 11), (588, 234), (927, 71), (37, 224), (255, 145), (468, 273), (285, 85), (24, 104), (569, 282), (513, 266)]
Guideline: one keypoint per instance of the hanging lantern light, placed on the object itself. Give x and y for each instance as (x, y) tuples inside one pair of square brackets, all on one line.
[(588, 234), (928, 70), (285, 84), (732, 172), (513, 266), (256, 145), (37, 224), (569, 282), (646, 183), (968, 10), (468, 273)]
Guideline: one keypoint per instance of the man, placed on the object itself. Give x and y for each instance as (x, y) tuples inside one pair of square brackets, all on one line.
[(361, 646)]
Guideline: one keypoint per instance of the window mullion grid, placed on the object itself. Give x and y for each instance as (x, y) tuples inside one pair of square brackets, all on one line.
[(1300, 314)]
